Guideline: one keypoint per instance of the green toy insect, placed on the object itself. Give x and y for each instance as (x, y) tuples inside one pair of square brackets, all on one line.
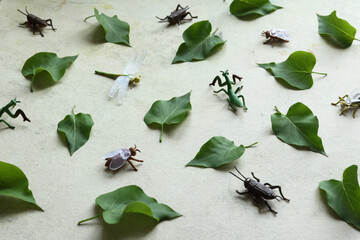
[(5, 109), (234, 101)]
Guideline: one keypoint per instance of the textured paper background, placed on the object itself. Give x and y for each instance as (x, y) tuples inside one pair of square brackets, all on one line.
[(66, 187)]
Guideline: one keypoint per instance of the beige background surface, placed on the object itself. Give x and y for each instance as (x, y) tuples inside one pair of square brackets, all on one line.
[(66, 187)]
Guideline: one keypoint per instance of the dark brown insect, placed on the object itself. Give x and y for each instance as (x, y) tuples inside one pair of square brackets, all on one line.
[(176, 16), (116, 159), (260, 191), (276, 35), (35, 23)]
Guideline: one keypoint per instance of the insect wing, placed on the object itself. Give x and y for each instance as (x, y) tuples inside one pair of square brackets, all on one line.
[(355, 96), (117, 162), (123, 87), (135, 64), (112, 154), (280, 33), (119, 82)]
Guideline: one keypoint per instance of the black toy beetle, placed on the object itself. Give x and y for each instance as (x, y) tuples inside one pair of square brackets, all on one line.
[(35, 23), (260, 191), (176, 16)]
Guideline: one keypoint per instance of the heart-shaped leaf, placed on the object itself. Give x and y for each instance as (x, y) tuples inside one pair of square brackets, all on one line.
[(76, 128), (344, 196), (168, 112), (217, 152), (295, 71), (198, 43), (338, 30), (131, 199), (116, 31), (257, 8), (13, 183), (298, 127), (48, 62)]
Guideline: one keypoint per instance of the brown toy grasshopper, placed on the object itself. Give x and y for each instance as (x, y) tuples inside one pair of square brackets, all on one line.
[(35, 23)]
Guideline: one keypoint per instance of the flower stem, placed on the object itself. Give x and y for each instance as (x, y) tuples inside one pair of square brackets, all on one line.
[(88, 219), (251, 145)]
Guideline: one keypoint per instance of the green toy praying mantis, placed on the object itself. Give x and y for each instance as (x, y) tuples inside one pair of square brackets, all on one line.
[(5, 109), (234, 101)]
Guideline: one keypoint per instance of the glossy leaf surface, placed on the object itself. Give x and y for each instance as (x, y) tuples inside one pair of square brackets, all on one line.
[(295, 71), (14, 183), (76, 128), (168, 112), (242, 8), (198, 44), (116, 31), (217, 152), (344, 196), (131, 199), (298, 127), (48, 62), (338, 30)]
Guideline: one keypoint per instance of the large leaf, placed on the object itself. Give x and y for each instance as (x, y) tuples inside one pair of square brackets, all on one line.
[(344, 197), (242, 8), (298, 127), (295, 71), (76, 128), (116, 31), (48, 62), (13, 183), (198, 43), (168, 112), (131, 199), (338, 30), (217, 152)]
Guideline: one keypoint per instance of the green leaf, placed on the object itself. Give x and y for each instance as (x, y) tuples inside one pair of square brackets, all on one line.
[(338, 30), (295, 71), (198, 43), (344, 197), (77, 129), (13, 183), (131, 199), (298, 127), (116, 31), (48, 62), (168, 112), (217, 152), (257, 8)]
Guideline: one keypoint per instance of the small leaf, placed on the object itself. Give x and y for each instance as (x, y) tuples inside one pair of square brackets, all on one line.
[(338, 30), (295, 71), (116, 31), (168, 112), (217, 152), (198, 43), (258, 8), (48, 62), (344, 197), (131, 199), (298, 127), (13, 183), (77, 129)]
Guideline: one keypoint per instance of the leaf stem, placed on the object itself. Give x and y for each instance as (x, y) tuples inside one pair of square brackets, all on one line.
[(73, 110), (109, 75), (215, 31), (88, 219), (251, 145), (31, 84), (88, 17), (356, 39), (161, 132), (277, 109), (320, 73)]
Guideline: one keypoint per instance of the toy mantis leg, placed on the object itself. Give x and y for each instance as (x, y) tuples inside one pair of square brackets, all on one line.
[(221, 90), (234, 77), (218, 79), (17, 113), (238, 89), (243, 99), (231, 105), (10, 126)]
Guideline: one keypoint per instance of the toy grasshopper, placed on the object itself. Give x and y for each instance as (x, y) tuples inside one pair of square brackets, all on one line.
[(234, 101), (5, 109)]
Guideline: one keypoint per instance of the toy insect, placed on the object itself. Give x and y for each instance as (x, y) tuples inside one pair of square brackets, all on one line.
[(35, 23), (260, 191), (127, 78), (116, 159), (234, 101), (6, 109), (349, 101), (177, 16), (276, 35)]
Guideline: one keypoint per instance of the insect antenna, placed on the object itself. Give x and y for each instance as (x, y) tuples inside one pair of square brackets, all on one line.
[(240, 173), (22, 12), (26, 10), (236, 176)]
